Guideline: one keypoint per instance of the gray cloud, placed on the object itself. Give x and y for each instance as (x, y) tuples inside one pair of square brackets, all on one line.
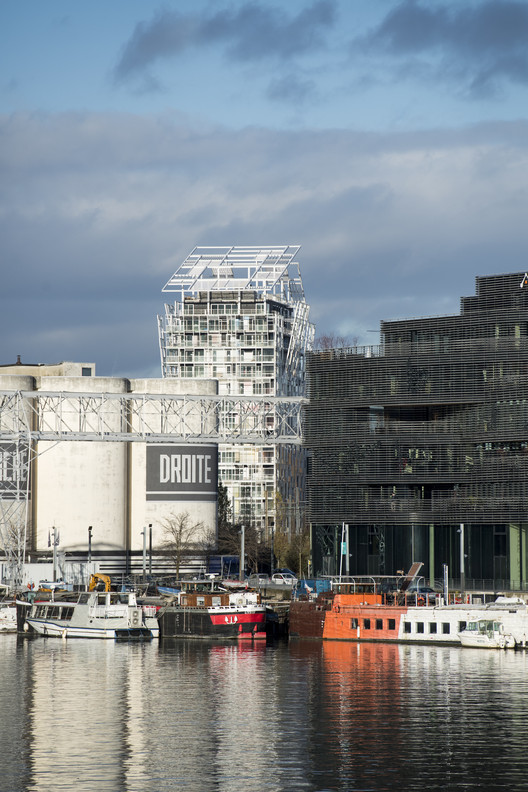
[(292, 89), (97, 211), (250, 32), (480, 46)]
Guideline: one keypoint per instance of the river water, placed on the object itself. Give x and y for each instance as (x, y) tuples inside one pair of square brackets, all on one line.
[(215, 717)]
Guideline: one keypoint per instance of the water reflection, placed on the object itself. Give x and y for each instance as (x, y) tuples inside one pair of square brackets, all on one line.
[(86, 715)]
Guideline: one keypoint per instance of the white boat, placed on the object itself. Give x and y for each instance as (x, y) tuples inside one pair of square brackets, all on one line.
[(8, 617), (92, 614), (486, 634)]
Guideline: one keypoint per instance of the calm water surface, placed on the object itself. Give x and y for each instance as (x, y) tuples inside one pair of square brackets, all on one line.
[(207, 717)]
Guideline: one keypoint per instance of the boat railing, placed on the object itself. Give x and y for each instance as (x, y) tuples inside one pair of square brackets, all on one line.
[(359, 584)]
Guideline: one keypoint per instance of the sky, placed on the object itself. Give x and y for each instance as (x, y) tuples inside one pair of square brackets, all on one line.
[(388, 139)]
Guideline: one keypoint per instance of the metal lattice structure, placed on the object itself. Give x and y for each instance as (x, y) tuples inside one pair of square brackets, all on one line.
[(240, 317), (15, 456), (28, 418), (430, 430), (145, 418)]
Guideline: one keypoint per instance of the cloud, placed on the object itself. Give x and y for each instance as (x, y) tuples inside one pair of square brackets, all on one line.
[(480, 46), (292, 89), (250, 32), (98, 210)]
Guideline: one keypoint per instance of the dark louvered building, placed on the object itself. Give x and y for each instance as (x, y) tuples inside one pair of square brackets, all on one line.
[(429, 431)]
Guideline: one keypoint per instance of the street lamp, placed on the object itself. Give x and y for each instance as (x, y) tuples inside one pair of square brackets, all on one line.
[(89, 546), (462, 561)]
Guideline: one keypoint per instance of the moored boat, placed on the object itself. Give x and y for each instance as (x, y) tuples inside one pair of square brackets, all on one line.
[(486, 634), (203, 611), (8, 616), (357, 610), (90, 614)]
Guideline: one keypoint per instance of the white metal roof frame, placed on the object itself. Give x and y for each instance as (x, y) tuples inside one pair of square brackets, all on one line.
[(266, 270)]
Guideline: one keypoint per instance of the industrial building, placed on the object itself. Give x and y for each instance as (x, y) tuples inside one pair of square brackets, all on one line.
[(92, 468), (240, 317), (419, 446)]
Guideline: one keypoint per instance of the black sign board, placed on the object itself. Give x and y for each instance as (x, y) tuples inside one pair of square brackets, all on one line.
[(182, 473)]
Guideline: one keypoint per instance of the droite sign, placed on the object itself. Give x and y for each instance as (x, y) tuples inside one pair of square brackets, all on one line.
[(182, 472)]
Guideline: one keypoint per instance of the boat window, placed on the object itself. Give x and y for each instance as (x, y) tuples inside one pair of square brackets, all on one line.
[(54, 612), (420, 627), (67, 613), (461, 626), (41, 611), (392, 624), (379, 624), (354, 623), (200, 600), (433, 627), (407, 627), (473, 626), (84, 596), (366, 624), (216, 601), (101, 599), (446, 628)]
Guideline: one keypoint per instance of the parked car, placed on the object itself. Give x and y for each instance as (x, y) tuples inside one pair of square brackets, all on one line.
[(286, 571), (423, 593), (258, 579), (284, 578)]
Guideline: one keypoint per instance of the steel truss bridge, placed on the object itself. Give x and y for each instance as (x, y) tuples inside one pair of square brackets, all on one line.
[(28, 418), (147, 418)]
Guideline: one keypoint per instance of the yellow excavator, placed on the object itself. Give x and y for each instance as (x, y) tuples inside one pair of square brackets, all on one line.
[(99, 582)]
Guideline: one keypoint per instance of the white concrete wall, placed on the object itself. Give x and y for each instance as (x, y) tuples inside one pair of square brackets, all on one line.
[(81, 483)]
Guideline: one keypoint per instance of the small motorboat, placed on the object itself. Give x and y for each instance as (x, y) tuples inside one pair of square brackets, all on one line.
[(8, 616), (486, 634), (91, 614)]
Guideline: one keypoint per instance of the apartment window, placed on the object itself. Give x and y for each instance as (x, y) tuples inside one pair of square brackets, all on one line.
[(379, 624), (86, 371), (366, 624), (392, 624), (445, 628), (461, 626), (420, 627), (406, 627), (433, 628), (354, 623)]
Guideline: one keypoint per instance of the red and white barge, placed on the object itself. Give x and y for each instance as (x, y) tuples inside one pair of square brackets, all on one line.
[(205, 612)]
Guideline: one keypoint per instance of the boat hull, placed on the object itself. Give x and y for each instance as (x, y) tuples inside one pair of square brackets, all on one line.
[(64, 630), (231, 623)]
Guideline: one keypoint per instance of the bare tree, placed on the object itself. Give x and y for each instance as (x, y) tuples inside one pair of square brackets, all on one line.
[(14, 540), (182, 537), (331, 341)]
